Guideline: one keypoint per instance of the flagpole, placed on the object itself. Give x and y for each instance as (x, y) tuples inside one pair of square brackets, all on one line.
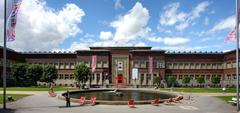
[(237, 47), (4, 55)]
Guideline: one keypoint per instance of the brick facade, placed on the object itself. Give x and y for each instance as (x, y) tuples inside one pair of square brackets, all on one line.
[(115, 61)]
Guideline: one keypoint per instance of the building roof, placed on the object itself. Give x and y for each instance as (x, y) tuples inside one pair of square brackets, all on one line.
[(127, 48)]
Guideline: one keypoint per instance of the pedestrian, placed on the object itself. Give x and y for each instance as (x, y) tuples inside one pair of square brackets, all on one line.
[(67, 98)]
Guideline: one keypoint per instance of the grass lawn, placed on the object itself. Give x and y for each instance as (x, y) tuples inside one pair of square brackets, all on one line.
[(14, 96), (55, 88), (225, 98), (200, 90)]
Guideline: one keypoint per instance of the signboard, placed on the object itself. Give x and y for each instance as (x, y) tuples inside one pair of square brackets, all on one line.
[(135, 73)]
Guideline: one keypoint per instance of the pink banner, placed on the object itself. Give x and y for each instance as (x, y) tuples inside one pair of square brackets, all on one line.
[(150, 68), (94, 63), (231, 36), (12, 19)]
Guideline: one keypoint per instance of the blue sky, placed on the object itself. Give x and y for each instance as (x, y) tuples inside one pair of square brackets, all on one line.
[(172, 25)]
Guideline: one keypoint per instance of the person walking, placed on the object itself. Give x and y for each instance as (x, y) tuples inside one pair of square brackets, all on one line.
[(67, 98)]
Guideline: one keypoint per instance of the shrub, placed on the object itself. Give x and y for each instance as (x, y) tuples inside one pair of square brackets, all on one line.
[(171, 80), (186, 80), (200, 80), (215, 80)]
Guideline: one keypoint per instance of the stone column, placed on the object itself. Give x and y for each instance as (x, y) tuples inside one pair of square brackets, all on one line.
[(100, 81), (145, 79), (151, 83)]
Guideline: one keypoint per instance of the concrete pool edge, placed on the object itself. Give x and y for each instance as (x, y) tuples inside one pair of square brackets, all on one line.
[(105, 102)]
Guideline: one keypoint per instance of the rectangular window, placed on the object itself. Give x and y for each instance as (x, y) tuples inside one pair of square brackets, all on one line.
[(228, 65), (72, 65), (105, 64), (192, 77), (99, 64), (142, 63), (234, 76), (93, 76), (196, 76), (161, 64), (61, 66), (209, 66), (229, 77), (136, 64), (67, 66), (181, 66), (71, 76), (148, 76), (203, 66), (61, 76), (155, 64), (220, 66), (142, 78), (56, 65), (198, 66), (147, 64), (169, 65), (180, 77), (208, 77), (66, 76), (98, 77), (175, 66), (192, 66)]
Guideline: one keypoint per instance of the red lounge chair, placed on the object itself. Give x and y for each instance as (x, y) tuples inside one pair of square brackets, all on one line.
[(178, 98), (155, 102), (93, 100), (82, 100), (52, 94), (168, 102), (131, 103)]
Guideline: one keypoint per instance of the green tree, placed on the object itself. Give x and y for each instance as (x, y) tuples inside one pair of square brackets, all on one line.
[(82, 73), (200, 80), (49, 74), (215, 80), (157, 80), (35, 73), (186, 80), (18, 71), (171, 80)]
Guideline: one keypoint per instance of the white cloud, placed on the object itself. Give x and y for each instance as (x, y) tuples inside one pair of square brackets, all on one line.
[(199, 9), (105, 35), (185, 48), (129, 28), (182, 26), (172, 15), (132, 25), (140, 44), (88, 35), (169, 40), (227, 23), (206, 21), (118, 4), (39, 27)]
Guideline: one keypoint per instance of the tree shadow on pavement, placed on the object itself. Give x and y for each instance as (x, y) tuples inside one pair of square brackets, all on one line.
[(7, 110)]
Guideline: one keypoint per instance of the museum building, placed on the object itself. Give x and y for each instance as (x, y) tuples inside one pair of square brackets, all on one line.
[(116, 64)]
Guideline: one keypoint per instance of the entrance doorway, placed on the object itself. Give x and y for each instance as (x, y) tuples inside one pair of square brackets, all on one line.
[(119, 79)]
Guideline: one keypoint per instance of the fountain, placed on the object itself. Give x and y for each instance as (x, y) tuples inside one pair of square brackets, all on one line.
[(121, 96)]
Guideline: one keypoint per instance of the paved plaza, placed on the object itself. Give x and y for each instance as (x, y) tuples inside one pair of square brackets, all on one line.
[(39, 102)]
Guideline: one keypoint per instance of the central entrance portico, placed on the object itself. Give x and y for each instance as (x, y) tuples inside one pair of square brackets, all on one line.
[(120, 69)]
